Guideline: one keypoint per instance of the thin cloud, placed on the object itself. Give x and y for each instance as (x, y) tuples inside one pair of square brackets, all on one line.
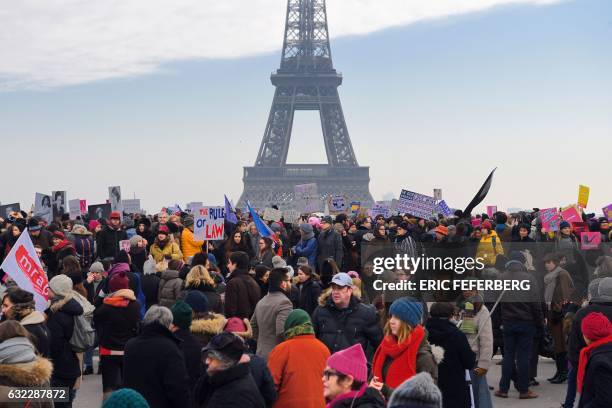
[(47, 44)]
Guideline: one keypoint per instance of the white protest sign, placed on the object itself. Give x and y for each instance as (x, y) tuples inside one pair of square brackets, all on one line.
[(114, 198), (381, 209), (437, 193), (131, 206), (42, 207), (338, 203), (307, 197), (291, 216), (74, 207), (194, 205), (23, 266), (209, 224), (272, 214), (418, 205)]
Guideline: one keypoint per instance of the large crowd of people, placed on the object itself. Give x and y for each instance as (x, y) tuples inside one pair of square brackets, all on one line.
[(287, 317)]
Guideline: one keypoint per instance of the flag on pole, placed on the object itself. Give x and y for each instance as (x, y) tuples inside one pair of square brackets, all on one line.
[(480, 195), (230, 216), (263, 228), (24, 267)]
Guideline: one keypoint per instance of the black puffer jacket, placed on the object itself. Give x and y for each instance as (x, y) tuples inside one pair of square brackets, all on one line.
[(117, 319), (107, 242), (458, 357), (371, 398), (60, 322), (214, 299), (596, 391), (233, 387), (575, 339), (150, 288), (308, 298), (342, 328)]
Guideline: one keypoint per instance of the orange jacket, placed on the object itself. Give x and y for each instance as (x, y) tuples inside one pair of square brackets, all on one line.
[(189, 246)]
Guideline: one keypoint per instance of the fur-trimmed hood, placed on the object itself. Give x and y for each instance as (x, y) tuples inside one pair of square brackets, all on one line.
[(248, 334), (35, 317), (32, 374), (211, 325)]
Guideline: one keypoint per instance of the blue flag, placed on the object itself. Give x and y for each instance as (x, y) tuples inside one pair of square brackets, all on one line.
[(229, 212), (263, 229)]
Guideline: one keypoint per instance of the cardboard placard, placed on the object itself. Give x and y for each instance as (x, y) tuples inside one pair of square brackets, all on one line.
[(74, 207), (99, 211), (131, 206), (415, 204), (444, 209), (590, 240), (6, 209), (209, 224), (337, 204), (43, 207), (571, 214), (583, 196), (272, 214), (491, 209), (607, 211), (355, 206), (550, 219), (307, 197), (59, 203), (437, 194), (291, 216)]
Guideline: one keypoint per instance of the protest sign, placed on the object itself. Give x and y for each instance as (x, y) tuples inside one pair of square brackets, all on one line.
[(418, 205), (291, 216), (444, 209), (355, 206), (58, 203), (99, 211), (194, 205), (307, 197), (550, 219), (437, 194), (491, 209), (590, 240), (114, 198), (571, 214), (124, 245), (272, 214), (42, 207), (476, 222), (583, 196), (607, 211), (580, 227), (24, 267), (131, 206), (337, 204), (7, 209), (209, 223), (74, 207), (83, 206), (381, 209)]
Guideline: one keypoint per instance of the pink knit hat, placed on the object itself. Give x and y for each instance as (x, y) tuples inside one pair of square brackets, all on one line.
[(351, 361)]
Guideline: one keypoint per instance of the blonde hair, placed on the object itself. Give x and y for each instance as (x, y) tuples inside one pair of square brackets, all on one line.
[(198, 275), (402, 334)]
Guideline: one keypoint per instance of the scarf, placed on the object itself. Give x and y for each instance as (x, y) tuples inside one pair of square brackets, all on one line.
[(550, 284), (120, 298), (299, 330), (17, 350), (585, 354), (403, 355), (63, 244), (351, 394)]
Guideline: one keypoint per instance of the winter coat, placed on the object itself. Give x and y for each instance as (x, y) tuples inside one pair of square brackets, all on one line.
[(481, 342), (169, 288), (205, 328), (263, 379), (575, 339), (163, 380), (43, 239), (522, 309), (116, 321), (241, 295), (308, 298), (308, 249), (85, 249), (60, 322), (489, 247), (296, 366), (107, 242), (371, 398), (171, 249), (233, 387), (562, 293), (253, 242), (189, 245), (268, 321), (342, 328), (214, 299), (35, 324), (458, 357), (36, 373), (596, 390), (192, 353), (150, 288), (329, 245), (266, 258)]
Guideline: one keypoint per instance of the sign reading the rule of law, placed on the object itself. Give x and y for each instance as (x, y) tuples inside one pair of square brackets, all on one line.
[(23, 266), (418, 205), (209, 223)]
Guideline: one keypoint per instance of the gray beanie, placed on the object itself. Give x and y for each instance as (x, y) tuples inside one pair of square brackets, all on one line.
[(96, 267), (604, 291), (135, 240), (418, 391), (278, 262), (61, 285), (276, 227)]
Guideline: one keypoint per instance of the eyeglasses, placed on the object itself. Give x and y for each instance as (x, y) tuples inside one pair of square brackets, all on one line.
[(329, 373)]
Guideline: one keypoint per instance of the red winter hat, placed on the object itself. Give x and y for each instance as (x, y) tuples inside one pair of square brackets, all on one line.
[(115, 214), (351, 361), (235, 324), (487, 225), (596, 326), (163, 229), (118, 281), (59, 235)]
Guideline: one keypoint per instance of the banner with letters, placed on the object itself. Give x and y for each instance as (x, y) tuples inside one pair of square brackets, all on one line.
[(418, 205), (209, 223)]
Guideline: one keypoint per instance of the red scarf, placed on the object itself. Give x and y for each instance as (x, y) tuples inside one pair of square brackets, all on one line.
[(403, 354), (63, 244), (585, 354), (351, 394)]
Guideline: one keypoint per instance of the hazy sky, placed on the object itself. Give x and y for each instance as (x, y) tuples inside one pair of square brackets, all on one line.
[(170, 101)]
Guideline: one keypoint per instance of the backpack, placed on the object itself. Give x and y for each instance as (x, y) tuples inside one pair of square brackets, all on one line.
[(83, 336)]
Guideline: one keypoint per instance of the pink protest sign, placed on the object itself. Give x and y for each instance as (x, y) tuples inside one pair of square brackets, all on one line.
[(491, 209), (607, 210), (476, 222), (550, 219), (571, 214), (590, 240), (83, 206)]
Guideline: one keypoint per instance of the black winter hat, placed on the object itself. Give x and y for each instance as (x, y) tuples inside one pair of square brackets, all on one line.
[(228, 344)]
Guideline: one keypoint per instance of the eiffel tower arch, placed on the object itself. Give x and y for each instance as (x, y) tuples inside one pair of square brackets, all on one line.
[(306, 80)]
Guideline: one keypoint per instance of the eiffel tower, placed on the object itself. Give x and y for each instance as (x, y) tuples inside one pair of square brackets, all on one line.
[(306, 80)]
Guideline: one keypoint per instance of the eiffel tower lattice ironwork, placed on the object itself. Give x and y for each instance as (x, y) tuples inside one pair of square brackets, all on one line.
[(306, 80)]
